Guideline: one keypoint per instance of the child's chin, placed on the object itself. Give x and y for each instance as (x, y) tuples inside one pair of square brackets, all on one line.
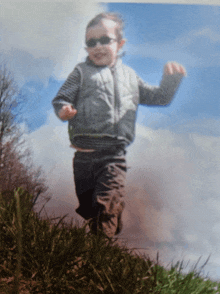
[(101, 63)]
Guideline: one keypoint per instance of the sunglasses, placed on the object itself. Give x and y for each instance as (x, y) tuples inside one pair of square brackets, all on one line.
[(103, 41)]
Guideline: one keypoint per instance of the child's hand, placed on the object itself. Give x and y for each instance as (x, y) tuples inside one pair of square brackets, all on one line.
[(172, 68), (67, 112)]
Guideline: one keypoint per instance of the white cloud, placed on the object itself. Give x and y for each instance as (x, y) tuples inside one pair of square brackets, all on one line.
[(212, 36), (46, 32), (173, 188), (50, 151)]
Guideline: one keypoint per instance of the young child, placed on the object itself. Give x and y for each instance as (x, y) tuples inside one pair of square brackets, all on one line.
[(100, 99)]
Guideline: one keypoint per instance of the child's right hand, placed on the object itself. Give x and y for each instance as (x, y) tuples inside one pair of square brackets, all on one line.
[(67, 112)]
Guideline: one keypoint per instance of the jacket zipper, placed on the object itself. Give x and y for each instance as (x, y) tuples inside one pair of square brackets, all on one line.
[(116, 101)]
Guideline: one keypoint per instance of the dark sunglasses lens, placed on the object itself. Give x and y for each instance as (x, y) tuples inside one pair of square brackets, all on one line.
[(104, 40), (91, 43)]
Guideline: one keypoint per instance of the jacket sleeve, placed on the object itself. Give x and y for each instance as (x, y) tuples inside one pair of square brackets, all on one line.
[(68, 93), (159, 95)]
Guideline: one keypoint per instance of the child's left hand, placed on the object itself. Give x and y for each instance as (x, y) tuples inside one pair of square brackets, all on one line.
[(172, 68)]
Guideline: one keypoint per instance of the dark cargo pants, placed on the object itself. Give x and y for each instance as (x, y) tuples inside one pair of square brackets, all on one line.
[(99, 180)]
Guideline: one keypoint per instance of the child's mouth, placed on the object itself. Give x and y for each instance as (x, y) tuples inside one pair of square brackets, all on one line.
[(99, 55)]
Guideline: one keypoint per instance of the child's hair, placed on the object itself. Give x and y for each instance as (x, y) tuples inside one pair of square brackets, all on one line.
[(112, 16)]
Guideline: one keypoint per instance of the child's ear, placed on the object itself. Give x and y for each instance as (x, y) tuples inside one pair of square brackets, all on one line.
[(121, 44)]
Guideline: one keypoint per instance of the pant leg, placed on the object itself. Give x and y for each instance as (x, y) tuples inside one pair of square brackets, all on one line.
[(109, 191), (85, 185)]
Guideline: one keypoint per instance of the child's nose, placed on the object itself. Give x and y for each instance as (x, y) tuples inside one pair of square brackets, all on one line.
[(98, 44)]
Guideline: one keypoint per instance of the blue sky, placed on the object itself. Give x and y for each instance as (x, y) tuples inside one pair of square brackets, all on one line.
[(173, 186)]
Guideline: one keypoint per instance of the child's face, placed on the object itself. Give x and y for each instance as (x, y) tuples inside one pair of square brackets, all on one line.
[(104, 54)]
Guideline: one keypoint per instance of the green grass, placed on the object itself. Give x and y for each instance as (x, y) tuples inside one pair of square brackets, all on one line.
[(40, 256)]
